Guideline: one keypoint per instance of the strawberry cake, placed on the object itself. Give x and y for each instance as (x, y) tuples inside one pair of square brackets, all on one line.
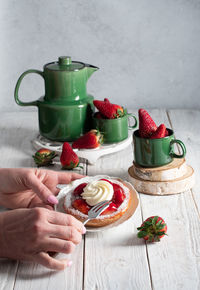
[(82, 194)]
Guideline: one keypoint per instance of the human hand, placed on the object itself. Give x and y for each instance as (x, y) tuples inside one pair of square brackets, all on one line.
[(29, 187), (29, 234)]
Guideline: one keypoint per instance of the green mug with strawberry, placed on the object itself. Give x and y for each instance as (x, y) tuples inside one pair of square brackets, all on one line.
[(154, 146), (112, 121)]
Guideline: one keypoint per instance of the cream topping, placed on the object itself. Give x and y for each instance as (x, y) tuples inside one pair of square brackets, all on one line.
[(97, 191), (66, 194)]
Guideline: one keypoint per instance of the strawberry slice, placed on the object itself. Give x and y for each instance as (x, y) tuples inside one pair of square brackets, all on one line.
[(112, 208), (90, 140), (159, 133), (81, 205), (118, 196), (146, 124), (106, 180), (79, 189)]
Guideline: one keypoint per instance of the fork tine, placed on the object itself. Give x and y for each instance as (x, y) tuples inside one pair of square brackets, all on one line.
[(100, 210), (100, 204)]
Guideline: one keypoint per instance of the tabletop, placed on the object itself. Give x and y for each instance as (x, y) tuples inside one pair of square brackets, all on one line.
[(116, 258)]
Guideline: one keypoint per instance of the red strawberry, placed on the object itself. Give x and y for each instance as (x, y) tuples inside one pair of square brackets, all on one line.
[(106, 180), (90, 140), (166, 133), (44, 157), (98, 115), (106, 100), (79, 189), (111, 111), (81, 205), (112, 208), (152, 229), (68, 158), (146, 124), (159, 133), (118, 196)]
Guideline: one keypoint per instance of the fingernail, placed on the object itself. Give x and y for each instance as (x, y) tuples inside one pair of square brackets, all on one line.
[(84, 230), (52, 199), (69, 264)]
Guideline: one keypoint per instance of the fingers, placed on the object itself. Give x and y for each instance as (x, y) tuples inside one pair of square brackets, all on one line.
[(51, 263), (59, 218), (66, 233), (64, 177), (41, 190), (59, 246)]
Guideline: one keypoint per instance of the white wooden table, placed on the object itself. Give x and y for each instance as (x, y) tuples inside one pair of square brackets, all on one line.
[(117, 259)]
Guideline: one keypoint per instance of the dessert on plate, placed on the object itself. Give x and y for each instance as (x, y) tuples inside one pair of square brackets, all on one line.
[(85, 193)]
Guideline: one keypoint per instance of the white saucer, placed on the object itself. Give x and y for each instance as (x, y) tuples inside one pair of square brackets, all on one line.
[(92, 155), (132, 208)]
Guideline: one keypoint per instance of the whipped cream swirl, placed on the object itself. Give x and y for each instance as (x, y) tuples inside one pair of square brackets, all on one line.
[(97, 191)]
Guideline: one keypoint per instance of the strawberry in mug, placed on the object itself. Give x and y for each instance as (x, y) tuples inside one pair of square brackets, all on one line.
[(154, 146)]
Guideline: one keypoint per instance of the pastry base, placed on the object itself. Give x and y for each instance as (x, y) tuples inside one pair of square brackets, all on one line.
[(107, 220)]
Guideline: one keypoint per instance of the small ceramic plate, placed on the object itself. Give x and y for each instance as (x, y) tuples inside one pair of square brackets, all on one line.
[(131, 210)]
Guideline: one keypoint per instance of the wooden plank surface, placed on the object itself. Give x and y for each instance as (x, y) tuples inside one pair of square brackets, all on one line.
[(174, 262), (186, 125), (117, 259)]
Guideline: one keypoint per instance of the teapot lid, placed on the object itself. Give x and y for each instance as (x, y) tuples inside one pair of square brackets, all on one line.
[(65, 63)]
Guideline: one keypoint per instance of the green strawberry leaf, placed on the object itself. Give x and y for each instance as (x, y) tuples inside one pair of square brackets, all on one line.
[(142, 234)]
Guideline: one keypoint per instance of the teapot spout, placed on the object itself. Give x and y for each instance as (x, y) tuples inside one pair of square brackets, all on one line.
[(90, 70)]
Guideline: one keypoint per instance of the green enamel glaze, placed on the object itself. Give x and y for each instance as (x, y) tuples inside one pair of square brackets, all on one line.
[(156, 152), (66, 109), (114, 130)]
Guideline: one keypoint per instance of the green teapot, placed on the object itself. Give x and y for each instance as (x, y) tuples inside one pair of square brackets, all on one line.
[(65, 112)]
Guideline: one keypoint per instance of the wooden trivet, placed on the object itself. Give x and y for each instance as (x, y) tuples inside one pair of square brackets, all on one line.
[(177, 168), (167, 187)]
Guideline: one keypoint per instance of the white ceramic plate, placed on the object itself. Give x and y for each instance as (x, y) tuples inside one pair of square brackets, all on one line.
[(92, 155), (68, 187)]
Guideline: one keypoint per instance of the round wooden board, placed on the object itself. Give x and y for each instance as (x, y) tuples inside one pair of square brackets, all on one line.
[(175, 186), (177, 168)]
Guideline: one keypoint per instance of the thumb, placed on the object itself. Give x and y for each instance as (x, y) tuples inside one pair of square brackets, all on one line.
[(51, 263), (41, 190)]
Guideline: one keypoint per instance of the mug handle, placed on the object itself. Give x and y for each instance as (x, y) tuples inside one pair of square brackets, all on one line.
[(135, 119), (34, 103), (182, 147)]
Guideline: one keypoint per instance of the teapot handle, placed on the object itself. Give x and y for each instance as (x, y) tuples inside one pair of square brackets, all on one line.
[(34, 103)]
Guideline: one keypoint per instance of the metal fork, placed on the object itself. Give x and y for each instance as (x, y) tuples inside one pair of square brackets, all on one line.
[(96, 210)]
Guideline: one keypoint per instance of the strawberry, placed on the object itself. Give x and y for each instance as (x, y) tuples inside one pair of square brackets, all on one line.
[(68, 158), (90, 140), (106, 180), (79, 189), (111, 111), (118, 196), (146, 124), (44, 157), (81, 205), (112, 208), (152, 229), (98, 115), (106, 100), (159, 133)]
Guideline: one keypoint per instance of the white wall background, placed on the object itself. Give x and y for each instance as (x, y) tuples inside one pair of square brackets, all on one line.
[(148, 51)]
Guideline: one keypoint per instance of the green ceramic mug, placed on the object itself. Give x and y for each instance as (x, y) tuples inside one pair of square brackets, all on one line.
[(156, 152), (115, 130)]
